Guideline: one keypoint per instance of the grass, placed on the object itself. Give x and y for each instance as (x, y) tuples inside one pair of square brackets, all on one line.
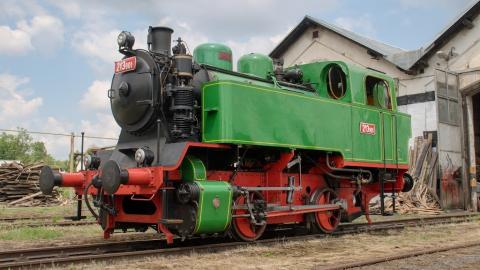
[(23, 237), (26, 233), (57, 212)]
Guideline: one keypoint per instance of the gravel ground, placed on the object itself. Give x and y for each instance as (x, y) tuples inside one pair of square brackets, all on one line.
[(465, 258), (318, 253), (313, 254)]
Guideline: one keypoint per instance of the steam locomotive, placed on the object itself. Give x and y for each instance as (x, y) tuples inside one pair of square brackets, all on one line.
[(205, 150)]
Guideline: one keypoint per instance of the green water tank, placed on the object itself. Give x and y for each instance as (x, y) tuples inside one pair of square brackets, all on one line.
[(213, 54), (255, 64)]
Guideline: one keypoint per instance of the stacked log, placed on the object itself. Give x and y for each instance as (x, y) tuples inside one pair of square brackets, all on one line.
[(423, 198), (19, 186)]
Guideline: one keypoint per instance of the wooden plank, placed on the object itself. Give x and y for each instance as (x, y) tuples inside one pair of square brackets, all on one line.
[(31, 196)]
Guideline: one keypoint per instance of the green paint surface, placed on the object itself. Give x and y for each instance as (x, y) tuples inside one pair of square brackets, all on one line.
[(240, 111), (214, 207), (213, 54), (193, 169), (255, 64)]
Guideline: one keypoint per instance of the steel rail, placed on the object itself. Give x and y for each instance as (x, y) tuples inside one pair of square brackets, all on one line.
[(133, 248), (42, 221), (13, 219), (48, 224), (400, 256)]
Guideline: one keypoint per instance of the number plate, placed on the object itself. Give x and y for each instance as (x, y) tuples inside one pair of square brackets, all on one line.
[(367, 128), (127, 64)]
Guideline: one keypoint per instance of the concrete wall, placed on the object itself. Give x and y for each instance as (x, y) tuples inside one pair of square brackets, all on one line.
[(331, 46), (424, 115)]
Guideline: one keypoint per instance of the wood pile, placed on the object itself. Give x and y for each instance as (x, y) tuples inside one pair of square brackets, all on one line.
[(19, 186), (423, 198)]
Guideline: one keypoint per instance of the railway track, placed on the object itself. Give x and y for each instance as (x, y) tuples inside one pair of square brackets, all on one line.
[(403, 255), (14, 219), (41, 222), (111, 250), (50, 224)]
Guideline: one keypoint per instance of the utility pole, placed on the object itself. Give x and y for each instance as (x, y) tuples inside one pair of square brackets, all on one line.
[(470, 145), (72, 149)]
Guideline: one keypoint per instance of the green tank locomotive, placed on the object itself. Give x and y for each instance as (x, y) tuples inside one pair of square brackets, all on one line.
[(208, 150)]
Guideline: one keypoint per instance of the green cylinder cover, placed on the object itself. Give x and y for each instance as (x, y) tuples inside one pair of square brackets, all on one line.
[(255, 64), (192, 169), (213, 54), (214, 207)]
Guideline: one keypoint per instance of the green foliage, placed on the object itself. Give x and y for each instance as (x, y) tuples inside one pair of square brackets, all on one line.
[(13, 147), (22, 147)]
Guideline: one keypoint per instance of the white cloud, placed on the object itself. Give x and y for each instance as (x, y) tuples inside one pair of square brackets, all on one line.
[(15, 9), (46, 32), (95, 98), (103, 125), (14, 41), (71, 9), (235, 19), (14, 104), (43, 33), (256, 44), (362, 25), (183, 29), (18, 109), (56, 146), (240, 23), (414, 4), (100, 48), (97, 45)]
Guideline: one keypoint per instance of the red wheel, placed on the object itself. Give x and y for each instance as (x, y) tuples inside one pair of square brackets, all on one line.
[(242, 227), (325, 221)]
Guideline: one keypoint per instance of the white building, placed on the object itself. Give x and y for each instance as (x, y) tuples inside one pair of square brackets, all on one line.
[(438, 84)]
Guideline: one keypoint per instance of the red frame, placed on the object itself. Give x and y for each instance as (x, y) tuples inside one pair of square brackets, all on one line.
[(148, 182)]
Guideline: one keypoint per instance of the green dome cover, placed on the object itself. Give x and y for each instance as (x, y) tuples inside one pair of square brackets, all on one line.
[(255, 64), (213, 54)]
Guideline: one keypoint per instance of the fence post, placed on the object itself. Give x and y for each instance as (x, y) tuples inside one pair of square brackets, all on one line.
[(72, 149)]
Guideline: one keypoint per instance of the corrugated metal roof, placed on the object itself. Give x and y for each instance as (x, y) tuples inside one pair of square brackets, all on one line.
[(399, 57)]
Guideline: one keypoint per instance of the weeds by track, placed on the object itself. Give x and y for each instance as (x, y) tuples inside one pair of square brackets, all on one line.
[(114, 250)]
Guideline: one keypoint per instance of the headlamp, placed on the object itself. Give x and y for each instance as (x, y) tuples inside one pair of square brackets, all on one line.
[(125, 40)]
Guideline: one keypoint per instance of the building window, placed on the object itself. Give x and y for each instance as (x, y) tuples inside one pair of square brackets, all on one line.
[(447, 96), (378, 93)]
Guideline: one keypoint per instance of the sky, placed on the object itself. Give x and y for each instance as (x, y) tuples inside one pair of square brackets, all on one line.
[(57, 57)]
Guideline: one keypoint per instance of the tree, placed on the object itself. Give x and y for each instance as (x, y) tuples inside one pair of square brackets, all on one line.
[(22, 147), (15, 147)]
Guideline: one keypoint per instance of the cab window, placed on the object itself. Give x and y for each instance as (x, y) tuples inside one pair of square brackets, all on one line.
[(336, 82), (378, 93)]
